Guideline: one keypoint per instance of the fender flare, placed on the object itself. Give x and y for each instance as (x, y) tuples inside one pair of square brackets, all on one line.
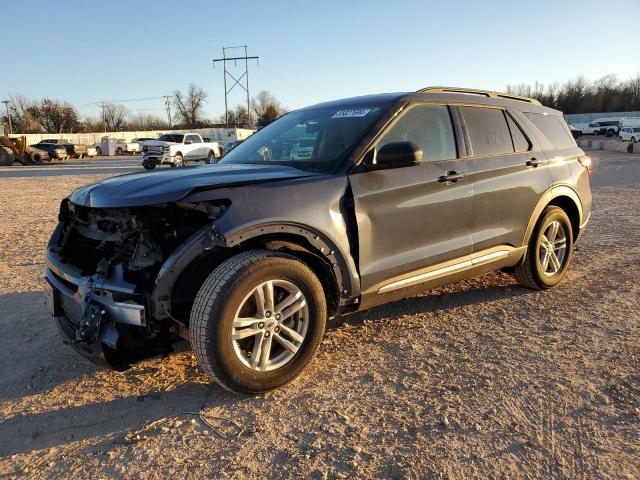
[(548, 196), (208, 238), (343, 266)]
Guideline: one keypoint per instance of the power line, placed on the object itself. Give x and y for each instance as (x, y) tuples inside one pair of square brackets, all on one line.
[(121, 100), (237, 81)]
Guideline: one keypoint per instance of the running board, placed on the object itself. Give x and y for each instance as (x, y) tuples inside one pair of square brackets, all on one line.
[(474, 260)]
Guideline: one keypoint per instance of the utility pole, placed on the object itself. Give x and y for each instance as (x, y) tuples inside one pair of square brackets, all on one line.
[(6, 105), (167, 102), (237, 81), (104, 120)]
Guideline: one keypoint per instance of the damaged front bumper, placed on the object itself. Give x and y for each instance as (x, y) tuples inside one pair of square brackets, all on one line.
[(88, 309)]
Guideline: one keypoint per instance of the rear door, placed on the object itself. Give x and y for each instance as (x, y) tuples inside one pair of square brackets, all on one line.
[(508, 172), (409, 218)]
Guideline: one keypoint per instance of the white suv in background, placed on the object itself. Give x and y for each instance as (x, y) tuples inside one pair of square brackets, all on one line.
[(630, 134)]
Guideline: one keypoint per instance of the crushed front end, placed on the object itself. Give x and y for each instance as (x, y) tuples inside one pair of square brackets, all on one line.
[(101, 268)]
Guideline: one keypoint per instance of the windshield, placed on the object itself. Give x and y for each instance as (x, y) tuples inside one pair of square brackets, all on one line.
[(171, 138), (314, 140)]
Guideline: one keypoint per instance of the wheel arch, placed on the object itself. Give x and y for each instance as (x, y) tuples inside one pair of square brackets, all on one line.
[(187, 267), (562, 196)]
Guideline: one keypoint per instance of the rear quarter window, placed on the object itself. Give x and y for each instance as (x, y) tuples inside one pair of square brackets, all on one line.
[(488, 130), (554, 128)]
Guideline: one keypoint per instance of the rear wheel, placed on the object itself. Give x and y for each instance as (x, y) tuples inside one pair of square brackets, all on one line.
[(633, 139), (211, 157), (119, 151), (149, 166), (257, 321), (549, 251), (98, 151), (178, 159)]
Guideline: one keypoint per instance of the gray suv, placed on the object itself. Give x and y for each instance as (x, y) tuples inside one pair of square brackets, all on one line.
[(247, 259)]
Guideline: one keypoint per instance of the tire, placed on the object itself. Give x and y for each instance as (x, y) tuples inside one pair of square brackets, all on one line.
[(98, 150), (620, 138), (633, 139), (228, 289), (6, 157), (531, 271), (172, 165), (178, 159), (211, 158), (119, 151), (149, 166)]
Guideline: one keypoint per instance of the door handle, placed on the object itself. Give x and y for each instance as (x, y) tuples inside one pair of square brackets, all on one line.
[(451, 176), (532, 162)]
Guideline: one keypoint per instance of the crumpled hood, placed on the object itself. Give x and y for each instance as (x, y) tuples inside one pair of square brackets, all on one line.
[(160, 186)]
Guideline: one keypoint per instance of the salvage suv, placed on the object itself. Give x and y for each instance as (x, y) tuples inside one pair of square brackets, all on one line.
[(249, 257)]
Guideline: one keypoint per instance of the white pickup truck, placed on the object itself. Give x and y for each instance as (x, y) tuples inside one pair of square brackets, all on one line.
[(179, 150)]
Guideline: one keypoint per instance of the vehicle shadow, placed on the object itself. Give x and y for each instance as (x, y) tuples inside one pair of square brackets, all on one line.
[(486, 288), (70, 400)]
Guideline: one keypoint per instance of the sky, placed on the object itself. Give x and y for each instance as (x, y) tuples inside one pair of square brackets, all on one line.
[(84, 51)]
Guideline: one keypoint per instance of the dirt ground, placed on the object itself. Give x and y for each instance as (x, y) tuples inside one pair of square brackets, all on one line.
[(478, 379)]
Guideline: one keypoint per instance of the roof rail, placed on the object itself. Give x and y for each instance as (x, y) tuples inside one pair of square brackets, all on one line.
[(476, 91)]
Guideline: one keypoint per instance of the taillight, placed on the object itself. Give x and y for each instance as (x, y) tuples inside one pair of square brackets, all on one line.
[(586, 162)]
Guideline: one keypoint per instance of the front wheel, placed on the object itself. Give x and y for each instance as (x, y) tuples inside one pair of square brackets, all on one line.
[(549, 251), (149, 166), (257, 321)]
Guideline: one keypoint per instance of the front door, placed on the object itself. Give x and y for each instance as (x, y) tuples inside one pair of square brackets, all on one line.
[(411, 218)]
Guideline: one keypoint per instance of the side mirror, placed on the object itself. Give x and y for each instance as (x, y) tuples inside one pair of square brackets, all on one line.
[(399, 154), (187, 142)]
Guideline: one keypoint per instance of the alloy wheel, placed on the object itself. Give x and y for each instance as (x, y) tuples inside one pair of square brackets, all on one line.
[(270, 325), (552, 248)]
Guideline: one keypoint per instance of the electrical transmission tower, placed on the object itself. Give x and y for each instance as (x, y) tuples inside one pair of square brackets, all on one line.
[(237, 81)]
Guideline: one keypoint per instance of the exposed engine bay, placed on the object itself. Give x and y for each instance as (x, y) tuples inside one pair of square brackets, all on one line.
[(116, 255)]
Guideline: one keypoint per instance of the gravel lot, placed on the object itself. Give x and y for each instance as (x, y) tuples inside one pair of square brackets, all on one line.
[(478, 379)]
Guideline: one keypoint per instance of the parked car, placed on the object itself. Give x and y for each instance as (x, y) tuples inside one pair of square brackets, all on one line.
[(55, 151), (590, 128), (231, 145), (134, 147), (37, 155), (575, 132), (177, 149), (73, 150), (121, 146), (608, 126), (303, 149), (248, 258), (92, 151), (630, 134)]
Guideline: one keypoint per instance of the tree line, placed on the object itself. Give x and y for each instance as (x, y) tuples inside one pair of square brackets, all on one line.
[(579, 95), (187, 108)]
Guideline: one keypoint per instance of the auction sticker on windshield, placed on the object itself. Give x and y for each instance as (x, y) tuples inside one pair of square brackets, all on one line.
[(358, 112)]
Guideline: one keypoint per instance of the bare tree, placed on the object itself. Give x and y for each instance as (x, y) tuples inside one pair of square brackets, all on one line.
[(579, 95), (57, 117), (92, 124), (115, 116), (267, 108), (237, 118), (146, 121), (190, 106)]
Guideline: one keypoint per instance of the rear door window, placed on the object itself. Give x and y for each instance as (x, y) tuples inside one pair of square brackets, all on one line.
[(554, 128), (488, 131), (520, 141), (429, 127)]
